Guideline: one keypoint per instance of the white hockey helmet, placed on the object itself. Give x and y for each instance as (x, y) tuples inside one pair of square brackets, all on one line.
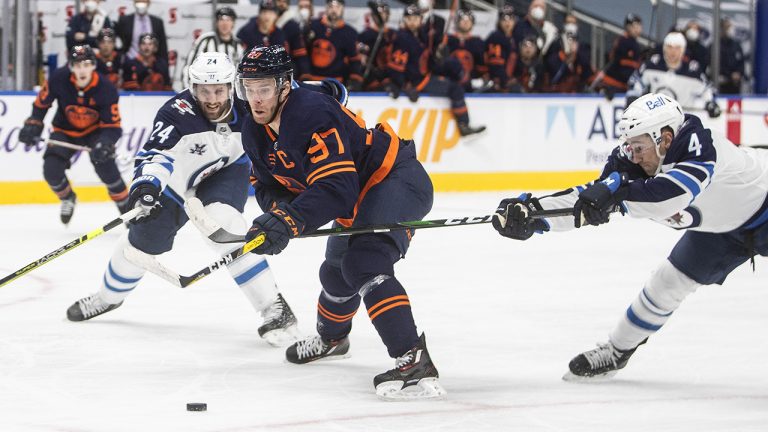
[(213, 68), (649, 114)]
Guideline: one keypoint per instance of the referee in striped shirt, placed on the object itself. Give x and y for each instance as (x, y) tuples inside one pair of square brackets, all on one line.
[(222, 40)]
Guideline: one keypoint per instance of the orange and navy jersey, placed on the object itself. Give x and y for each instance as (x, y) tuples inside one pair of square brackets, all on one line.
[(500, 57), (80, 111), (324, 156), (367, 39), (296, 47), (111, 67), (252, 37), (333, 53), (624, 59), (146, 74), (469, 52), (409, 61)]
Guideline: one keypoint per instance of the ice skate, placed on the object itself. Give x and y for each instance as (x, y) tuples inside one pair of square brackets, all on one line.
[(316, 348), (279, 327), (67, 208), (414, 377), (600, 363), (467, 130), (89, 307)]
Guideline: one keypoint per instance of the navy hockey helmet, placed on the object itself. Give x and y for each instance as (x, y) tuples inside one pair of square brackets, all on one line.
[(266, 5), (265, 62), (411, 10), (81, 53), (106, 34), (464, 13), (226, 11), (507, 11), (149, 37), (632, 18)]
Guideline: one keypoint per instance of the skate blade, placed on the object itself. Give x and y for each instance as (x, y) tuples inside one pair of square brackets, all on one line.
[(281, 338), (426, 389), (571, 377), (322, 359)]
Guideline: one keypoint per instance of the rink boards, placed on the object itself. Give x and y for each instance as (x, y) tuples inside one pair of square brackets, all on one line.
[(532, 142)]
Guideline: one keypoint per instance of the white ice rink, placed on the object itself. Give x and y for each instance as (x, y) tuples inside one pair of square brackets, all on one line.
[(502, 320)]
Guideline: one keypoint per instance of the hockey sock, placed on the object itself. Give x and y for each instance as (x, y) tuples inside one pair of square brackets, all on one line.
[(337, 304), (251, 272), (368, 266), (661, 296), (390, 311), (118, 192), (121, 276)]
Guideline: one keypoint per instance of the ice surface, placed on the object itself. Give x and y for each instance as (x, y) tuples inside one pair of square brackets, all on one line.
[(502, 320)]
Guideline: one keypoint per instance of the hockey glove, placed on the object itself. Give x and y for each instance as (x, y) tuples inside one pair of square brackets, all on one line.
[(393, 90), (712, 109), (145, 193), (30, 133), (336, 89), (279, 225), (598, 201), (102, 152), (511, 218)]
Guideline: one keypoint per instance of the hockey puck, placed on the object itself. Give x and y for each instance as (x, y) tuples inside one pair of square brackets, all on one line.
[(194, 406)]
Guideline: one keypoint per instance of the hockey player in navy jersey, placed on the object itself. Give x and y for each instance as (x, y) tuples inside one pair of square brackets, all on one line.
[(467, 48), (501, 51), (87, 115), (670, 73), (194, 149), (333, 51), (673, 170), (409, 71), (314, 162)]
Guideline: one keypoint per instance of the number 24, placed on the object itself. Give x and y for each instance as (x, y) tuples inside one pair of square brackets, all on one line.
[(164, 134)]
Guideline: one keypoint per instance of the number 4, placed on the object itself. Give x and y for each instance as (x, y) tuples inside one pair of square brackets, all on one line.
[(694, 145)]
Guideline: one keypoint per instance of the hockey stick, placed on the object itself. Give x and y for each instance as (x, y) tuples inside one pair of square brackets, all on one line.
[(151, 264), (206, 224), (69, 246), (379, 20), (57, 143)]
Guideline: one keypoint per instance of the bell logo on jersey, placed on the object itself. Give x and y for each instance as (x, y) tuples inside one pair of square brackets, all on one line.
[(183, 106), (198, 150)]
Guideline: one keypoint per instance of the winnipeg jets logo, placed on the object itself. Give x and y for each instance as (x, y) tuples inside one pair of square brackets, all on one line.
[(199, 149), (183, 106)]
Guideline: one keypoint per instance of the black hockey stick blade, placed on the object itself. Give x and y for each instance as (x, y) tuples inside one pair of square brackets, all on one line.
[(185, 281), (69, 246)]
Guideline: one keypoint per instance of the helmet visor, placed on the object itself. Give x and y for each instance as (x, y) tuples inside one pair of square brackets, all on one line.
[(635, 148), (257, 89)]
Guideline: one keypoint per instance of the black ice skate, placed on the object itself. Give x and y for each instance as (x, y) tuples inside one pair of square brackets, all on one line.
[(466, 130), (600, 363), (89, 307), (316, 348), (414, 377), (279, 327), (67, 208)]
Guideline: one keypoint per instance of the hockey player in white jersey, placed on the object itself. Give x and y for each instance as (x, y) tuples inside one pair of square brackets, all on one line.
[(195, 148), (672, 74), (672, 170)]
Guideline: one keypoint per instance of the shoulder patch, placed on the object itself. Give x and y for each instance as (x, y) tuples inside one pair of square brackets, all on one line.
[(183, 106)]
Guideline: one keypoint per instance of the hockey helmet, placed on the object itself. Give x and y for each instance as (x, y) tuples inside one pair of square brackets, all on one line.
[(411, 10), (226, 11), (149, 37), (267, 5), (507, 12), (212, 68), (632, 18), (81, 53), (649, 114), (106, 34), (464, 13), (264, 62)]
